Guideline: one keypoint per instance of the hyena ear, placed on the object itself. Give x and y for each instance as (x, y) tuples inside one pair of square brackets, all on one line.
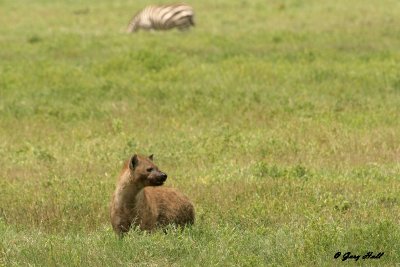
[(151, 157), (133, 162)]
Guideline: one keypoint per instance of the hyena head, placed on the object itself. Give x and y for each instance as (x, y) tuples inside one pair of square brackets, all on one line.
[(145, 172)]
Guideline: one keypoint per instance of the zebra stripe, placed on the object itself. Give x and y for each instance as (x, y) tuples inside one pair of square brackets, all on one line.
[(163, 17)]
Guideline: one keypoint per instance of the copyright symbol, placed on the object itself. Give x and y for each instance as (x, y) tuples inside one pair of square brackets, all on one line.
[(337, 255)]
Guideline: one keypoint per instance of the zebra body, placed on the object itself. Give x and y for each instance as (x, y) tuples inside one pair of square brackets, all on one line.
[(163, 17)]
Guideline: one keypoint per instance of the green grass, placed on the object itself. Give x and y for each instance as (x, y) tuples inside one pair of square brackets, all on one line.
[(279, 119)]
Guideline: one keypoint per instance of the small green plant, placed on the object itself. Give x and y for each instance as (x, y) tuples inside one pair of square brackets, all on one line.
[(34, 39)]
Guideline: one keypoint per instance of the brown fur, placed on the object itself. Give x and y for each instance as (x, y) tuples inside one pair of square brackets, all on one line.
[(140, 200)]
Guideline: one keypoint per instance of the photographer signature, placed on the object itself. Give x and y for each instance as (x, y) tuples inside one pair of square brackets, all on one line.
[(348, 256)]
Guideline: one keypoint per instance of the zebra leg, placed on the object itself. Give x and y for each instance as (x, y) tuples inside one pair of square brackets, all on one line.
[(191, 21), (184, 23)]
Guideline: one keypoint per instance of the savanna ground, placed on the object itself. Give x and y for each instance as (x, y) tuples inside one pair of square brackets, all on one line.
[(280, 120)]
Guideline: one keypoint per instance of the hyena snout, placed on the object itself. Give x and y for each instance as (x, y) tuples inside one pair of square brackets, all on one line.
[(163, 176), (157, 178)]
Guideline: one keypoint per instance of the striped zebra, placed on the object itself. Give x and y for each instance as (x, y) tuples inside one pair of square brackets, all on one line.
[(163, 17)]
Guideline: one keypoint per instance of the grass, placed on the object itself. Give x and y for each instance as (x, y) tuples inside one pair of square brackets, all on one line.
[(279, 119)]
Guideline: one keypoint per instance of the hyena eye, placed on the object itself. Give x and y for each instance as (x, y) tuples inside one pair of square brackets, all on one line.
[(149, 169)]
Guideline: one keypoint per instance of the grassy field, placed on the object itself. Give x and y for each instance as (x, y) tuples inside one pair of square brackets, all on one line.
[(279, 119)]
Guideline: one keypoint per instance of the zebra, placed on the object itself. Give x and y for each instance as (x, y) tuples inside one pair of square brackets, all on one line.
[(163, 17)]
